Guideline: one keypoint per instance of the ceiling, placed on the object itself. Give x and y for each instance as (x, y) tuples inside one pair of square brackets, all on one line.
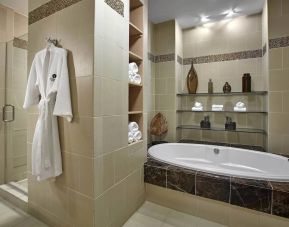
[(190, 13), (19, 6)]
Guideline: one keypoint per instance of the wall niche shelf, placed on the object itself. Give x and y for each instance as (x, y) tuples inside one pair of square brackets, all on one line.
[(253, 93), (244, 130), (135, 91)]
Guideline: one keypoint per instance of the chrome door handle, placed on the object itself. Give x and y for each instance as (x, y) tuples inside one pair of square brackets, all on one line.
[(5, 110)]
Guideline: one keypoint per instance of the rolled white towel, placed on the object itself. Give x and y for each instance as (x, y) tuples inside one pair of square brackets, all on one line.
[(137, 79), (133, 68), (133, 127), (217, 107), (198, 104), (137, 136), (130, 137)]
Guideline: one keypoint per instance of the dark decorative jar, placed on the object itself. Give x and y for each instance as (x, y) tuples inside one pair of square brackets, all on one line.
[(227, 88), (246, 82)]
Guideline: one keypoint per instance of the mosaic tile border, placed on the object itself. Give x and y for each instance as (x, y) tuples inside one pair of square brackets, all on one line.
[(161, 58), (279, 42), (48, 9), (224, 57), (260, 195), (20, 43), (116, 5), (180, 60)]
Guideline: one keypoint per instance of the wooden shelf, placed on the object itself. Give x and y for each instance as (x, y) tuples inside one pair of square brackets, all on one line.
[(135, 85), (134, 30), (134, 57), (134, 4), (134, 112)]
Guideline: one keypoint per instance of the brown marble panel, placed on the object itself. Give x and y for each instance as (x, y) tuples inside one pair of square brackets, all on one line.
[(280, 204), (181, 179), (252, 194), (213, 186), (155, 175)]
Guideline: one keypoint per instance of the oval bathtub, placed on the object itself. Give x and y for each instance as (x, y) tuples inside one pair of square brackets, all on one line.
[(220, 160)]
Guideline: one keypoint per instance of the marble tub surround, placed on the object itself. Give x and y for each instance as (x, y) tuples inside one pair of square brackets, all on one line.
[(265, 196)]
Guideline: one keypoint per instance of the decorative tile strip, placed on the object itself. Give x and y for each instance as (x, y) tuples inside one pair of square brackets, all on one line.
[(48, 9), (279, 42), (151, 57), (261, 195), (116, 5), (180, 59), (165, 58), (264, 51), (224, 57), (20, 43)]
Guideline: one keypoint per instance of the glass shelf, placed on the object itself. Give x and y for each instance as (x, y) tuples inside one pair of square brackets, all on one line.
[(245, 130), (226, 94), (225, 111)]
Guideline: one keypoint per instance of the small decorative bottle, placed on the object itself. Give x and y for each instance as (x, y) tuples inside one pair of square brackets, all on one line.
[(246, 82), (210, 87), (206, 123)]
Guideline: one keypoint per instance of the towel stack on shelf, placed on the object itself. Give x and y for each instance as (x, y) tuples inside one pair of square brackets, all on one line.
[(217, 107), (133, 75), (240, 107), (134, 134), (198, 107)]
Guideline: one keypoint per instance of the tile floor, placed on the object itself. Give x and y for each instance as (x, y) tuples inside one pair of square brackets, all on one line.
[(153, 215), (11, 216)]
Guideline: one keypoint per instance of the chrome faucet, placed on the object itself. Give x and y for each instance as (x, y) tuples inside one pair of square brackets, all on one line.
[(216, 150)]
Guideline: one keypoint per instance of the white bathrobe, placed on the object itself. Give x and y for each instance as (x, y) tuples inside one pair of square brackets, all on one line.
[(48, 86)]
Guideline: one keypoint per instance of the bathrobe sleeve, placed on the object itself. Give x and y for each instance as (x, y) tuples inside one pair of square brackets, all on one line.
[(62, 106), (32, 91)]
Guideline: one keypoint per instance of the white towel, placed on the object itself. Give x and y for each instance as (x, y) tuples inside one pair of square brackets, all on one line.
[(130, 137), (137, 79), (240, 109), (217, 107), (240, 104), (132, 68), (137, 136), (197, 108), (133, 127)]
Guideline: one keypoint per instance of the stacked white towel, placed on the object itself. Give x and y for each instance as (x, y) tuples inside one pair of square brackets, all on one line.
[(133, 75), (134, 134), (217, 107), (197, 107), (240, 107)]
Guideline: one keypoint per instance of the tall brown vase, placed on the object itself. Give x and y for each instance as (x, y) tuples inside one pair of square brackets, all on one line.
[(192, 80)]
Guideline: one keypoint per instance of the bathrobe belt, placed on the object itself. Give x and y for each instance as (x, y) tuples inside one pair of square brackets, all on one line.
[(45, 109)]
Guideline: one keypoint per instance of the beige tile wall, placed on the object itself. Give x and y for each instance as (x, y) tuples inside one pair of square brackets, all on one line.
[(118, 167), (222, 213), (278, 16), (69, 199), (165, 76)]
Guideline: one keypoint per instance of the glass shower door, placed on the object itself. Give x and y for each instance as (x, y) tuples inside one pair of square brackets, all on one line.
[(14, 117)]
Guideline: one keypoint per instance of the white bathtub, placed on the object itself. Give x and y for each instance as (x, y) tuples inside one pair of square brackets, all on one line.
[(229, 161)]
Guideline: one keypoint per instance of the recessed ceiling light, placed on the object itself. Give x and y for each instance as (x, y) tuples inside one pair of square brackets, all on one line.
[(230, 13)]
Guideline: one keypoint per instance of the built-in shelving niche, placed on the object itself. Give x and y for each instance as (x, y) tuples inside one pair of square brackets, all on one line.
[(136, 53)]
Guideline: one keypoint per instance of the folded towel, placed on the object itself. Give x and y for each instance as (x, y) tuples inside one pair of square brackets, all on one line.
[(217, 106), (132, 68), (133, 127), (197, 108), (130, 137), (137, 136), (240, 109), (240, 104)]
